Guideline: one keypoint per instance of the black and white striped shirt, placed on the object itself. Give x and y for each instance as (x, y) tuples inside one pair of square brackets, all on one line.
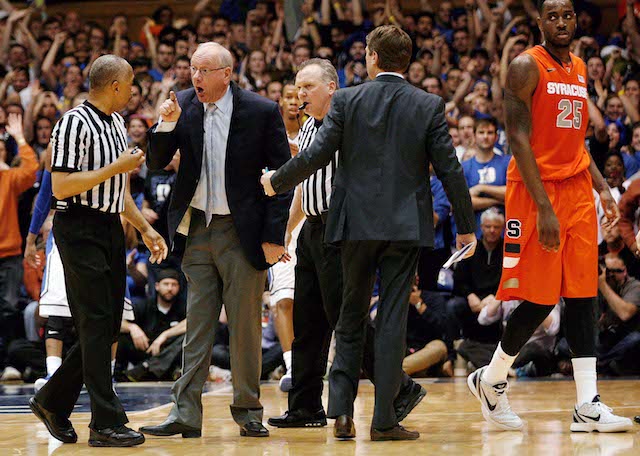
[(316, 189), (86, 139)]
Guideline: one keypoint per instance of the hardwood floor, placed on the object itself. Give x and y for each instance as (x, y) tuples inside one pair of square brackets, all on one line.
[(449, 421)]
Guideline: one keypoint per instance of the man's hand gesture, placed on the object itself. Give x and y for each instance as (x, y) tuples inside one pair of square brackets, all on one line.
[(170, 110)]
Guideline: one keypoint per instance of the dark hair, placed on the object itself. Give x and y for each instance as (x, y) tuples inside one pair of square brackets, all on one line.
[(168, 34), (158, 12), (167, 43), (393, 46), (22, 69), (141, 62), (420, 15), (488, 121), (182, 58), (480, 52)]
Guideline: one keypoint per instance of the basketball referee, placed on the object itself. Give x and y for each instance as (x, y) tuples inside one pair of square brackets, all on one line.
[(90, 162)]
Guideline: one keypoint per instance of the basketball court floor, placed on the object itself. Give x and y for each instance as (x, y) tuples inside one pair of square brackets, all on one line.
[(448, 419)]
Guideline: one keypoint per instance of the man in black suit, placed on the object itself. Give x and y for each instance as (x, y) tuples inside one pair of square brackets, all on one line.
[(226, 136), (387, 132)]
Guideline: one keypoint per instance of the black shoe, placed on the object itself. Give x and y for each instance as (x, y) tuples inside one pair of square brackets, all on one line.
[(120, 436), (395, 433), (254, 429), (408, 399), (299, 419), (169, 428), (138, 373), (59, 426)]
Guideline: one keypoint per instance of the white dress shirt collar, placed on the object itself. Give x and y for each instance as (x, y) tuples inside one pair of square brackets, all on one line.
[(224, 104), (391, 73)]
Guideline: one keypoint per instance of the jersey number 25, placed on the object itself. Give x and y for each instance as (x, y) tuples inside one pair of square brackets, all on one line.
[(566, 108)]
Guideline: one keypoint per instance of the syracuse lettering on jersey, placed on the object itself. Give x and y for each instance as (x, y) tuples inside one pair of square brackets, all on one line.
[(560, 88)]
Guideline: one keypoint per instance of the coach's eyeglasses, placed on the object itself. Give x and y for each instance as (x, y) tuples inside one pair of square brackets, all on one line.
[(615, 271), (205, 71)]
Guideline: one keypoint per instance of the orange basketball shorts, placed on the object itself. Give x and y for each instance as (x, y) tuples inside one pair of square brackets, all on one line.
[(530, 273)]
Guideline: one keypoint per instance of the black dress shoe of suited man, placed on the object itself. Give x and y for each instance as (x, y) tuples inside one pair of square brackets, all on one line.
[(344, 428), (170, 428), (254, 429), (395, 433), (408, 399), (58, 426), (299, 419), (120, 436)]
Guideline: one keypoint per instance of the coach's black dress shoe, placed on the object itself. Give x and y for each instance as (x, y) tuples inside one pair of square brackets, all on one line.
[(170, 428), (120, 436), (254, 429), (299, 419), (58, 426), (395, 433), (344, 428), (408, 399)]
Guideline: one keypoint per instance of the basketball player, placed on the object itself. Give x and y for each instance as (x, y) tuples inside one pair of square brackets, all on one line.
[(550, 245), (282, 274)]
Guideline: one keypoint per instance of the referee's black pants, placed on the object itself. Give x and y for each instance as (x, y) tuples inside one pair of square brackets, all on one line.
[(92, 249), (316, 308)]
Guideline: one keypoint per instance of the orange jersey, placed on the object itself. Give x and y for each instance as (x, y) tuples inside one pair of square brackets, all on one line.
[(559, 118)]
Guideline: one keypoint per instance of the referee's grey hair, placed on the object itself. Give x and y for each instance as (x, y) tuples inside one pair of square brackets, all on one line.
[(328, 70), (106, 69), (222, 53), (491, 214)]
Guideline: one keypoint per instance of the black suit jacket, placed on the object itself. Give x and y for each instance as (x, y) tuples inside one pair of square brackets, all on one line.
[(257, 140), (387, 132)]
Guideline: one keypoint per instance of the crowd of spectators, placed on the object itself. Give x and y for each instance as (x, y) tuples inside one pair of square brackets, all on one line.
[(460, 54)]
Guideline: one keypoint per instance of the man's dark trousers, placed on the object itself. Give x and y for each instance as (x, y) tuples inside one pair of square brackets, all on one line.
[(92, 249), (397, 262)]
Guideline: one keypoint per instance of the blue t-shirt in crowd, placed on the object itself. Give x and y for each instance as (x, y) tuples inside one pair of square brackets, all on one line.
[(493, 172), (442, 207), (631, 165)]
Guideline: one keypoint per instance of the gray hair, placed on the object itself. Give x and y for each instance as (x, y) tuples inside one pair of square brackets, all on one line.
[(106, 69), (491, 214), (222, 53), (328, 70)]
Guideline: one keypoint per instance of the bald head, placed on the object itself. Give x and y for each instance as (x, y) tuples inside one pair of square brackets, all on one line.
[(107, 69), (215, 51)]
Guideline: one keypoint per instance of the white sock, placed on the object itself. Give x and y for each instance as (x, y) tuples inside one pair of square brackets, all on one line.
[(584, 374), (53, 363), (287, 360), (498, 368), (113, 366)]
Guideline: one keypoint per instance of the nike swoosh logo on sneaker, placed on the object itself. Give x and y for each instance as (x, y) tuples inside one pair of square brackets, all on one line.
[(484, 396), (593, 418)]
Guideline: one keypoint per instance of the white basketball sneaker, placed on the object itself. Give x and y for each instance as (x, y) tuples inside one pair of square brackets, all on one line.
[(493, 399), (286, 382), (595, 416), (37, 386)]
